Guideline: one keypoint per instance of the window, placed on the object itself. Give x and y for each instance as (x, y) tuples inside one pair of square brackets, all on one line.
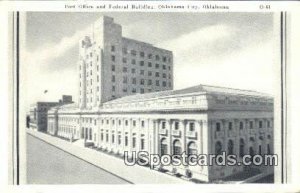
[(149, 82), (133, 142), (156, 65), (119, 139), (142, 90), (124, 69), (113, 58), (113, 68), (164, 84), (133, 61), (164, 67), (192, 126), (149, 64), (157, 57), (242, 146), (133, 52), (164, 75), (230, 126), (113, 138), (134, 90), (260, 124), (124, 60), (176, 126), (156, 74), (268, 124), (192, 149), (106, 137), (124, 79), (163, 125), (126, 140), (113, 88), (113, 48), (218, 126), (163, 147), (126, 122), (132, 70), (149, 56), (142, 144), (157, 83), (142, 63), (164, 59), (251, 124), (142, 54), (177, 147), (142, 72), (241, 125), (142, 81), (149, 73), (134, 123), (143, 123), (230, 146), (113, 78), (218, 148), (133, 80)]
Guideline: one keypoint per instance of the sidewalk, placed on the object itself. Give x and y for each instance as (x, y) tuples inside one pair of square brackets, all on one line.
[(135, 174)]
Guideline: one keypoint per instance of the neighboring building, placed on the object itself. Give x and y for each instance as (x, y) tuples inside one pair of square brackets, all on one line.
[(111, 66), (197, 120), (38, 113)]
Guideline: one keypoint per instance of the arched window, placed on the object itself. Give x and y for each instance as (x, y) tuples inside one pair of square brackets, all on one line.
[(163, 146), (192, 148), (242, 146), (230, 147), (218, 148), (177, 147)]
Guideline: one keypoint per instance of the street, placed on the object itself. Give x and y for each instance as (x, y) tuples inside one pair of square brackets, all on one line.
[(47, 164)]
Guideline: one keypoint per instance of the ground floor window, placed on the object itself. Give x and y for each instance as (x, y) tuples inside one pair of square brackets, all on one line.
[(163, 147), (177, 147), (142, 144)]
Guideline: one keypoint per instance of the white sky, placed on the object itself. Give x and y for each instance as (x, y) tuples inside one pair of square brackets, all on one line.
[(232, 50)]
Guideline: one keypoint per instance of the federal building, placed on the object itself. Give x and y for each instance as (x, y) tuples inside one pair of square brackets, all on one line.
[(127, 103)]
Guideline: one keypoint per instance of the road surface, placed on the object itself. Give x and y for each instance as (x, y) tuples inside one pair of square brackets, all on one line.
[(47, 164)]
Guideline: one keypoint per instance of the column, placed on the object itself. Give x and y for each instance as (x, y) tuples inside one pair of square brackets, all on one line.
[(182, 128), (169, 129)]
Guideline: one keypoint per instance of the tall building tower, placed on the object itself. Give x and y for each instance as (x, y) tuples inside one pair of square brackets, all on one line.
[(112, 66)]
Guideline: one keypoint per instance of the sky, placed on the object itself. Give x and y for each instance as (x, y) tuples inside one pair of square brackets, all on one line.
[(237, 50)]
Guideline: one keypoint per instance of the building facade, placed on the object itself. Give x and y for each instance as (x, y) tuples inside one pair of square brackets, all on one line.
[(127, 103), (38, 118), (197, 120), (111, 66)]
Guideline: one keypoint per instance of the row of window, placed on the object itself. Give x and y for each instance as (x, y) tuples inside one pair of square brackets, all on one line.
[(142, 63), (143, 55), (190, 126), (242, 125), (143, 72), (231, 148)]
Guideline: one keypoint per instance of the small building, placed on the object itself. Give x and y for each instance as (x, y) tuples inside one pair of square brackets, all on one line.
[(38, 113)]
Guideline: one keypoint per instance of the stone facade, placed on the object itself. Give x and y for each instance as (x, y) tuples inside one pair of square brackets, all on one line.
[(196, 120)]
